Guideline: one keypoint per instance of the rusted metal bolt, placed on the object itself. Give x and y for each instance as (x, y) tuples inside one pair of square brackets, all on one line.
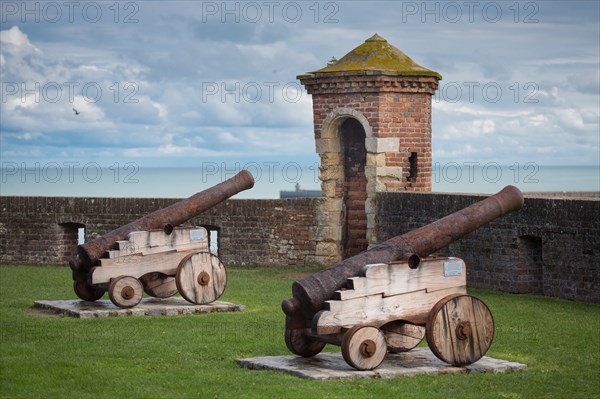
[(203, 278), (367, 348), (463, 330), (127, 292)]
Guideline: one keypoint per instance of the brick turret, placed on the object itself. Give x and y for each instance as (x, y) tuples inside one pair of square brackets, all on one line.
[(372, 118)]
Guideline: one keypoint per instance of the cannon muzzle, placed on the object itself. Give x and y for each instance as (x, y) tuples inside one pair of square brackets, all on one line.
[(166, 218), (310, 293)]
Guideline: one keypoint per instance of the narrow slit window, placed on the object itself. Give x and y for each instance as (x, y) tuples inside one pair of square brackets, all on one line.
[(214, 241), (412, 161), (80, 235), (213, 238)]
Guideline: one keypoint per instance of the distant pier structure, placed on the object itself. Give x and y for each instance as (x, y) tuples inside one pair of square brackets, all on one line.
[(300, 193)]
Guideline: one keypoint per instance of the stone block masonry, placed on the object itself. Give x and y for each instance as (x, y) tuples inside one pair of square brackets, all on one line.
[(272, 232), (550, 247), (44, 230)]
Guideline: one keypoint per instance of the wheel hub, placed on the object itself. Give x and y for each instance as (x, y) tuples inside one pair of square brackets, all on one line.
[(127, 292), (367, 348), (463, 330), (203, 279)]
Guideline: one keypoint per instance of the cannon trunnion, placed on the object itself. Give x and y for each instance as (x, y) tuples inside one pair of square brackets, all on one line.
[(391, 296)]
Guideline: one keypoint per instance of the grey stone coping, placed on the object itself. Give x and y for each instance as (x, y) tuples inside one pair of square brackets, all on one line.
[(173, 306), (326, 366)]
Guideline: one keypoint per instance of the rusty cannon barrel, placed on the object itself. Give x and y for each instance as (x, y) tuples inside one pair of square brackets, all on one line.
[(166, 218), (310, 293)]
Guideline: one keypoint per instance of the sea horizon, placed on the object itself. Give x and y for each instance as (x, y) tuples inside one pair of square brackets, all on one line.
[(129, 180)]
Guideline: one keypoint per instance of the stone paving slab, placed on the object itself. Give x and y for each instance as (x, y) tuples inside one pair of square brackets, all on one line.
[(147, 307), (326, 366)]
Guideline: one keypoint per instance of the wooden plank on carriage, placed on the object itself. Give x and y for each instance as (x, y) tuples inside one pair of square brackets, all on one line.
[(197, 246), (397, 278), (122, 248), (137, 266), (135, 243), (194, 245), (179, 236), (147, 242), (376, 310), (138, 238), (158, 238), (151, 238)]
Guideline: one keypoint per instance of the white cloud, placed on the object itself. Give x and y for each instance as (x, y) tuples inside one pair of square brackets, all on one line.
[(548, 97), (263, 52), (475, 110), (474, 129), (227, 137), (570, 117), (538, 120), (171, 52), (14, 40), (590, 60)]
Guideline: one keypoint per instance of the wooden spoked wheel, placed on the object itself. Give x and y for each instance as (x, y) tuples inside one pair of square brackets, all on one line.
[(364, 347), (460, 329), (402, 336), (85, 291), (125, 291), (299, 343), (201, 278), (159, 285)]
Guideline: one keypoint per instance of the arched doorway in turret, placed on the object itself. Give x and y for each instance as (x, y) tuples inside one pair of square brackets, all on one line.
[(354, 158)]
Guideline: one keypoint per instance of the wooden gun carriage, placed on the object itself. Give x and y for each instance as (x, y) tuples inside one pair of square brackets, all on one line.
[(389, 297), (150, 255), (161, 265)]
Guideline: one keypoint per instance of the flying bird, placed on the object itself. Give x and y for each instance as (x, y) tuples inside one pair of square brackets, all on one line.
[(76, 112)]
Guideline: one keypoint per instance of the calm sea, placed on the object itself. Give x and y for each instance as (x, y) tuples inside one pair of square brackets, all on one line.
[(129, 180)]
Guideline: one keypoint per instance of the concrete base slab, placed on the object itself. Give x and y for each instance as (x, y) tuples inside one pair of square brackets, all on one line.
[(326, 366), (147, 307)]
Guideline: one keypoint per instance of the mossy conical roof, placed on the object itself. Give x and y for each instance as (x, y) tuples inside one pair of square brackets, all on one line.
[(376, 54)]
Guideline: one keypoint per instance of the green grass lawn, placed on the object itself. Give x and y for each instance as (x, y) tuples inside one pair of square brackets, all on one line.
[(193, 356)]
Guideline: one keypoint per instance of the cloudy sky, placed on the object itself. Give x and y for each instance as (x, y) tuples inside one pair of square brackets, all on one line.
[(175, 83)]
